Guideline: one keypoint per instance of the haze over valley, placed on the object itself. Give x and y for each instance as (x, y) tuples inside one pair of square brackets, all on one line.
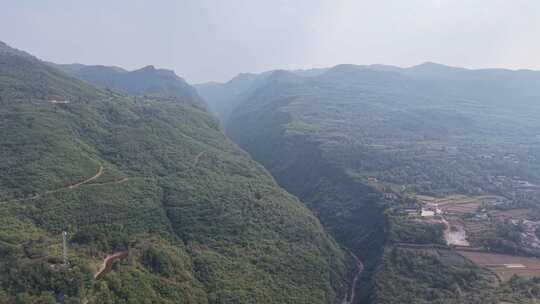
[(287, 152)]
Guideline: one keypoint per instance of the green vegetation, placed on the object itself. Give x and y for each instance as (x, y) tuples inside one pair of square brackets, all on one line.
[(21, 80), (203, 223), (357, 143), (402, 229), (430, 276), (147, 81)]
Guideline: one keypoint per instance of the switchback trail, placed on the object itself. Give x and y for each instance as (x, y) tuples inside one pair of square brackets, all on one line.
[(100, 172), (108, 261)]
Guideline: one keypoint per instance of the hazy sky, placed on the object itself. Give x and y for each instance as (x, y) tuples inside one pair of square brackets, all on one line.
[(216, 39)]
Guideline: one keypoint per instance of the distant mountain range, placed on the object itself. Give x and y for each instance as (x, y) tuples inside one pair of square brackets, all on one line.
[(485, 85), (147, 81), (222, 98), (357, 144)]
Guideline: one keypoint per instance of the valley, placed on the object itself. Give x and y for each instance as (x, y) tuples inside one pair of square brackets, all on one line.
[(403, 172), (404, 194), (269, 152)]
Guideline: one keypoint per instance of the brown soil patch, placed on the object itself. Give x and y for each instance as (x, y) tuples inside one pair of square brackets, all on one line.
[(108, 262), (504, 266), (509, 214)]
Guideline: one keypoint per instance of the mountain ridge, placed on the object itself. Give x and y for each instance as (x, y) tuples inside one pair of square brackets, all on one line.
[(147, 80), (201, 221), (360, 144)]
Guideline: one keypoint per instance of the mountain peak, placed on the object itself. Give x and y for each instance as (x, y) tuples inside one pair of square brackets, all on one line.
[(147, 80), (431, 68), (283, 76), (431, 64), (148, 68)]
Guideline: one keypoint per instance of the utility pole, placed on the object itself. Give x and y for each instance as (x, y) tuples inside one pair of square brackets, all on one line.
[(64, 243)]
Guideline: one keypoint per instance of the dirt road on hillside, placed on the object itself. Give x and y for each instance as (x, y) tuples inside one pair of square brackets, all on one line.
[(196, 161), (99, 173), (108, 262)]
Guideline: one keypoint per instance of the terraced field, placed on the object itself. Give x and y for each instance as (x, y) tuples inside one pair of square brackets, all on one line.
[(504, 266)]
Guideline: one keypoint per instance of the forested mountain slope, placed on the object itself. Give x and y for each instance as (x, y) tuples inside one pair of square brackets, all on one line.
[(201, 221), (149, 81), (357, 144), (223, 98)]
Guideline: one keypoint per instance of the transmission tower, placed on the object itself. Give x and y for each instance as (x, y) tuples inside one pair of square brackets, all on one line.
[(64, 247)]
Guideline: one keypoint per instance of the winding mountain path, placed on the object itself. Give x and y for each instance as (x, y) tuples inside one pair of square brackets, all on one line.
[(108, 262), (99, 173), (120, 181), (359, 270), (86, 181)]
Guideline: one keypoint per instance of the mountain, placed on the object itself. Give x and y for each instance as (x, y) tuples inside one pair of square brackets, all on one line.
[(157, 204), (451, 83), (365, 146), (222, 98), (20, 79), (147, 81)]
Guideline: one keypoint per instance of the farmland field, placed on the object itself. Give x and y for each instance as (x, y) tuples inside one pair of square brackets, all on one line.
[(504, 266), (457, 204)]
